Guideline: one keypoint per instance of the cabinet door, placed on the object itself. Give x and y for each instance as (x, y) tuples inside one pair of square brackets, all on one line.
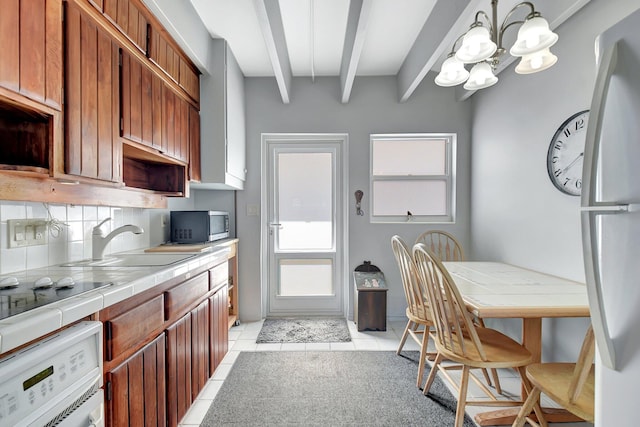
[(128, 18), (136, 389), (219, 318), (175, 125), (124, 331), (199, 347), (194, 144), (139, 113), (31, 41), (178, 370), (93, 149)]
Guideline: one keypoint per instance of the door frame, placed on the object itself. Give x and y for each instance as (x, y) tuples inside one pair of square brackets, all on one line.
[(342, 139)]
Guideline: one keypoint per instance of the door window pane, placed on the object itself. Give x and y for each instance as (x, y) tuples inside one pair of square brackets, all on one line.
[(300, 277), (305, 207)]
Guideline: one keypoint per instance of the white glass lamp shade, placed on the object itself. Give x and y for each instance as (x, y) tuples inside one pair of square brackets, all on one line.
[(476, 46), (481, 76), (452, 73), (536, 62), (533, 36)]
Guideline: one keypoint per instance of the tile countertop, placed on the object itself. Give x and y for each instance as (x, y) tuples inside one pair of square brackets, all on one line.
[(126, 282)]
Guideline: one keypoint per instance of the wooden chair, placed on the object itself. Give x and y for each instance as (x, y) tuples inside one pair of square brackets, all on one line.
[(442, 244), (460, 340), (419, 323), (569, 384), (445, 246)]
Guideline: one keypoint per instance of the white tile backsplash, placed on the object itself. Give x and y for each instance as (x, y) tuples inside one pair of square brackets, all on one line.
[(73, 241)]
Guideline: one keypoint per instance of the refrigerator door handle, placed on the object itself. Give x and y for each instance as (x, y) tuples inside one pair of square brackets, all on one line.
[(591, 208), (594, 130), (612, 209), (594, 289)]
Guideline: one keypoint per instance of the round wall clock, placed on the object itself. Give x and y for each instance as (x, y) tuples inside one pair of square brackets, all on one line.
[(566, 152)]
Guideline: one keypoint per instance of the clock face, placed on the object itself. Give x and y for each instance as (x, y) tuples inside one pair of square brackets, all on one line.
[(566, 152)]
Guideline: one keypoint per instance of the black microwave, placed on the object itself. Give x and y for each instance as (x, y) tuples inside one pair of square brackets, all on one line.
[(199, 226)]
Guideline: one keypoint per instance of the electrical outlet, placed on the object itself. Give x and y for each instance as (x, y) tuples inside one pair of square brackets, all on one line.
[(27, 232)]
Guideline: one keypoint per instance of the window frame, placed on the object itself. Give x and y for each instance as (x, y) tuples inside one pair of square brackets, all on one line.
[(449, 177)]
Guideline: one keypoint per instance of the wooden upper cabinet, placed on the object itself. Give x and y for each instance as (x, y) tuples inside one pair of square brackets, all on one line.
[(194, 145), (166, 55), (93, 149), (127, 16), (141, 112), (31, 43), (175, 125)]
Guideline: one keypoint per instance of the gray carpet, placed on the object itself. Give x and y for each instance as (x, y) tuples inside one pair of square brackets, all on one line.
[(350, 388), (304, 330)]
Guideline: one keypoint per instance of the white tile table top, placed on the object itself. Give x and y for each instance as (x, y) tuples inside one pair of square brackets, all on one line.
[(493, 289)]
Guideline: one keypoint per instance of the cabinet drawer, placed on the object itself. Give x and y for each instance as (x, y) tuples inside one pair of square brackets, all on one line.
[(219, 275), (179, 299), (127, 330)]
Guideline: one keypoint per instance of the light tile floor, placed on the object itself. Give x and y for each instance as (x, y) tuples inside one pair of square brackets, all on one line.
[(243, 338)]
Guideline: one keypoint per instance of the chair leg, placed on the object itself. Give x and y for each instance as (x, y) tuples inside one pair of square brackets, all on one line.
[(405, 334), (432, 374), (531, 403), (494, 372), (496, 380), (423, 357), (526, 408), (462, 397)]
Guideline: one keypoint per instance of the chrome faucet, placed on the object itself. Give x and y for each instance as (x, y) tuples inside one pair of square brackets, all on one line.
[(99, 240)]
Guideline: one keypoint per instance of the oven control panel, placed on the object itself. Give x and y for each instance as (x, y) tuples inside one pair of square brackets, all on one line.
[(41, 377)]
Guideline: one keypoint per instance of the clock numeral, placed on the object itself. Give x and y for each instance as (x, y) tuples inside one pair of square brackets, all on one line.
[(555, 159), (578, 184), (557, 172), (558, 145), (566, 181), (567, 132), (579, 124)]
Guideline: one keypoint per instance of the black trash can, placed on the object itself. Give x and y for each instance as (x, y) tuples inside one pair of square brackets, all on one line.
[(370, 298)]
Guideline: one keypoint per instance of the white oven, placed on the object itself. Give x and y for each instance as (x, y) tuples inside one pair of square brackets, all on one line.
[(56, 381)]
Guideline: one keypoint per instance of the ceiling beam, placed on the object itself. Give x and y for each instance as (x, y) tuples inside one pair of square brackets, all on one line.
[(270, 19), (432, 42), (357, 23)]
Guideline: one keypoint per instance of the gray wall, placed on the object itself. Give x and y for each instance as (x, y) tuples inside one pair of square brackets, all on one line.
[(518, 216), (315, 107)]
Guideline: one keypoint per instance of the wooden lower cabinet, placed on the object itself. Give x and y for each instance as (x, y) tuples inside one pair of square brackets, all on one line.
[(219, 335), (199, 348), (136, 390), (178, 370), (162, 346)]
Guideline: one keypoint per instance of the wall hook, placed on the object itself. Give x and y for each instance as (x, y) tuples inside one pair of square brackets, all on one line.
[(359, 195)]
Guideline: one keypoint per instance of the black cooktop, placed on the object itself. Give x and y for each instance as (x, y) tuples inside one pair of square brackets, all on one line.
[(17, 297)]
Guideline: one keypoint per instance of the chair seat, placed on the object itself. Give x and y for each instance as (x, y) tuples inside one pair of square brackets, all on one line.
[(501, 351), (555, 380)]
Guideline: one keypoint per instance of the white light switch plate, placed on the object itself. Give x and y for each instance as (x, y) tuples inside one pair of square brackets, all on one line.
[(27, 232), (253, 210)]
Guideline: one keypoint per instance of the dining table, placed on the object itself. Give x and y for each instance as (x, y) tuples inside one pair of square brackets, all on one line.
[(501, 290)]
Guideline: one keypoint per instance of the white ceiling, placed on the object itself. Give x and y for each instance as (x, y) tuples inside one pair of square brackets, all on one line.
[(404, 38)]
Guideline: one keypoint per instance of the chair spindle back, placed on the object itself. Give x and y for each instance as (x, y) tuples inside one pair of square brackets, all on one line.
[(451, 319), (442, 244)]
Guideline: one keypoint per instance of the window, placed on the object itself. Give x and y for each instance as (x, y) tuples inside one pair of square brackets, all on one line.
[(413, 173)]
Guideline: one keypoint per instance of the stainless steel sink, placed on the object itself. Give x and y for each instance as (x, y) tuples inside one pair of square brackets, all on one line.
[(132, 260)]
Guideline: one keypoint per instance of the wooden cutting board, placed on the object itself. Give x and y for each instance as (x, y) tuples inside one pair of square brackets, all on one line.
[(200, 247)]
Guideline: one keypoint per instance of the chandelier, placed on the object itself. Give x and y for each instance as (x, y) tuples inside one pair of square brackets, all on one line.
[(482, 46)]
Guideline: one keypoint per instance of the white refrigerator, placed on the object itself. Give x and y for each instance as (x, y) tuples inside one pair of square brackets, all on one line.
[(611, 222)]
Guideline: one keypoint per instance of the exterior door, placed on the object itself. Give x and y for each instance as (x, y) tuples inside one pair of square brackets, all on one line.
[(304, 226)]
